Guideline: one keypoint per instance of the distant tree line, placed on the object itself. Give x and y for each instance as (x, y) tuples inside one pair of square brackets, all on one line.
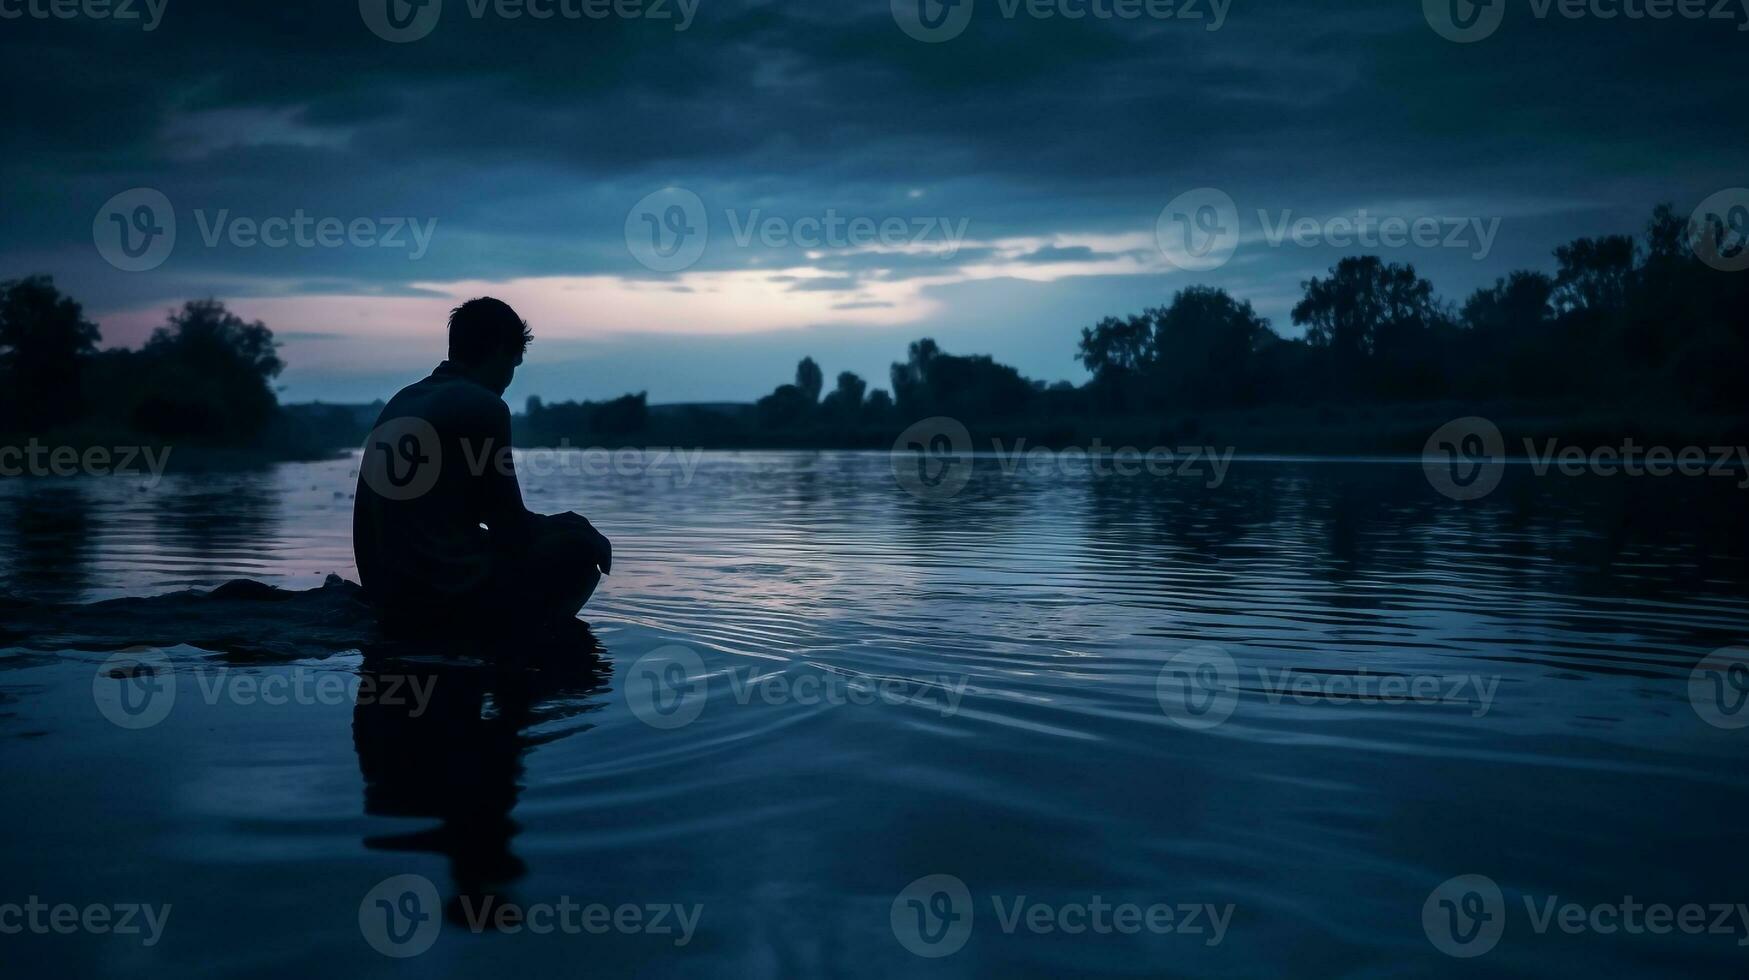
[(546, 425), (203, 377), (1618, 323), (1621, 325)]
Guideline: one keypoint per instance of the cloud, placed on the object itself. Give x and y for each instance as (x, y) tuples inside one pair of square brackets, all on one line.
[(1055, 142)]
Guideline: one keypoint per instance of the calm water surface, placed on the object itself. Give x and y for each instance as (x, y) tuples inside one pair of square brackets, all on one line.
[(1019, 737)]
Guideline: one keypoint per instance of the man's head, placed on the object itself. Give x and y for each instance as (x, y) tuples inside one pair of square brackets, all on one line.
[(487, 340)]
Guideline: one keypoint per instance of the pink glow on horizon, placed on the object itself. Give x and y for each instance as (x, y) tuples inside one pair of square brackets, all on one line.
[(575, 308)]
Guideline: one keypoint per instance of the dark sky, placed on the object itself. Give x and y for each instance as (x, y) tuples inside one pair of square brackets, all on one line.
[(1020, 167)]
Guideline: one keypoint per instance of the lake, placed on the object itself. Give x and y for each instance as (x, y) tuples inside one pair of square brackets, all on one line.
[(1318, 718)]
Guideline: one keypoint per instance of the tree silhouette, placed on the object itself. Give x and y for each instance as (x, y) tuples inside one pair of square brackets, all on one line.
[(791, 405), (45, 343), (1201, 350), (1594, 273), (1379, 324), (931, 382), (809, 379), (845, 401), (1510, 325), (1118, 344), (208, 375), (1364, 306)]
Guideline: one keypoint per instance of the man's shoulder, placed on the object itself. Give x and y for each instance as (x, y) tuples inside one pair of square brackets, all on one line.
[(454, 408), (446, 397)]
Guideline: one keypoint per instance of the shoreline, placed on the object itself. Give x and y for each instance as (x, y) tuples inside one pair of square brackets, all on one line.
[(1371, 434)]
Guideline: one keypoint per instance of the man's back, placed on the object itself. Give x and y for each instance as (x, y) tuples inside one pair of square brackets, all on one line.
[(435, 469)]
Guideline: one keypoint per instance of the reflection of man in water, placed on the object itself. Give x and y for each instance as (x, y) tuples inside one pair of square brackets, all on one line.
[(451, 759), (439, 530), (456, 754)]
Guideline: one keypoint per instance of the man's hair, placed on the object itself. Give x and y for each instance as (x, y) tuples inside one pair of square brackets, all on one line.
[(485, 326)]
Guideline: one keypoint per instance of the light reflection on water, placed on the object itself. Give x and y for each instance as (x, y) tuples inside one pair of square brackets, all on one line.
[(1051, 603)]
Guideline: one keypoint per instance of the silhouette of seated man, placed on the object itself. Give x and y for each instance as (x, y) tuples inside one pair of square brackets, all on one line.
[(439, 530)]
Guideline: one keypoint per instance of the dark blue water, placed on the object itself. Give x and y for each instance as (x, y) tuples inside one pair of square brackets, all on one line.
[(1119, 726)]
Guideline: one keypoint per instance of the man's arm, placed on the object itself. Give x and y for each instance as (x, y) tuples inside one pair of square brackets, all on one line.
[(600, 549), (504, 513), (510, 520)]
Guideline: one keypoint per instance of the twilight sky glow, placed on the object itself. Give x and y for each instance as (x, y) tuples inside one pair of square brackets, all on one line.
[(1019, 168)]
